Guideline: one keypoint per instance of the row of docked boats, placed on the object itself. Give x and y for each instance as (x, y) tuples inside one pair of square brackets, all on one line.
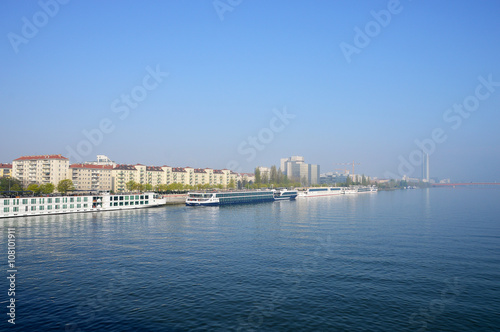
[(16, 206), (256, 196)]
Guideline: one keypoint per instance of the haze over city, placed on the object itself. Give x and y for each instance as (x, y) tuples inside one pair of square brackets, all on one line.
[(242, 84)]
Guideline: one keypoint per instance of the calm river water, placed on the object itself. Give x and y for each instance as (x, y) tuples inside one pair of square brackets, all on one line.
[(412, 260)]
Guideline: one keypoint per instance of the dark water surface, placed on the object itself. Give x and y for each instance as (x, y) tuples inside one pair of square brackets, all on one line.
[(414, 260)]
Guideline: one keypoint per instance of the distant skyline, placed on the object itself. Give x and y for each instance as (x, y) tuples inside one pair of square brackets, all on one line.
[(237, 85)]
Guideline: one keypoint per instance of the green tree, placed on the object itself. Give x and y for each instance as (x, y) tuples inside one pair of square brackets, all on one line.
[(7, 183), (34, 188), (257, 175), (47, 188), (273, 175), (231, 184), (65, 185), (348, 181), (304, 181), (148, 187), (131, 185)]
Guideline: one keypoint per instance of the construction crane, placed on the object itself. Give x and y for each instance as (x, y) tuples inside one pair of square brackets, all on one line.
[(342, 169), (350, 164)]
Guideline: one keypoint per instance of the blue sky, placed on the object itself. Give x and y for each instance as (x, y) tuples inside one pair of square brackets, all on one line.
[(228, 77)]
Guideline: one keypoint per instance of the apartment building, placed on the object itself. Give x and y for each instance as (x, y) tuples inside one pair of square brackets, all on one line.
[(40, 169), (91, 177), (5, 170)]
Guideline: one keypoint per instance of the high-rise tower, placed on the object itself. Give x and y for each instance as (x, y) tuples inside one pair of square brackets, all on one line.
[(425, 167)]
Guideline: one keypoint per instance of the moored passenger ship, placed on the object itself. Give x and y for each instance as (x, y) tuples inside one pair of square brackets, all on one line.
[(322, 191), (229, 197), (36, 206), (284, 194)]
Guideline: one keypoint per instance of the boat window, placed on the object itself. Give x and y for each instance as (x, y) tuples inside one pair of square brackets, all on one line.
[(5, 202)]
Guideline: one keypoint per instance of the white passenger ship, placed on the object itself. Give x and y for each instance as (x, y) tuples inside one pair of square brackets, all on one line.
[(333, 191), (284, 194), (36, 206), (322, 191)]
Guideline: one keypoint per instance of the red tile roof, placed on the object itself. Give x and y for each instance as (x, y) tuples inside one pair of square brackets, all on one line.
[(5, 165), (47, 156)]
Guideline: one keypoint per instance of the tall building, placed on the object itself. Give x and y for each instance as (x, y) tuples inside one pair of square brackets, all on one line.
[(40, 169), (297, 170), (425, 167)]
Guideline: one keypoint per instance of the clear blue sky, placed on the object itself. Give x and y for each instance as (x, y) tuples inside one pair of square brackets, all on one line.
[(225, 78)]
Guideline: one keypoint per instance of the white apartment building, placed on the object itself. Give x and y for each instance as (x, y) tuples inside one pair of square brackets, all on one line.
[(40, 169)]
